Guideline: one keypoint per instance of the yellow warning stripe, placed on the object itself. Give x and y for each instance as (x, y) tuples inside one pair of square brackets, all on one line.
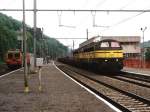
[(100, 54)]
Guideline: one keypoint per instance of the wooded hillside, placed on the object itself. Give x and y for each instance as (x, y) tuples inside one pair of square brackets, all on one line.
[(9, 29)]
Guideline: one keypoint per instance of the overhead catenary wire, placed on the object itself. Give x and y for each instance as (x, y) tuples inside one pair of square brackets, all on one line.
[(101, 3), (123, 21), (59, 13), (127, 4), (89, 10), (77, 10), (94, 24), (83, 10), (126, 19), (86, 10), (98, 5)]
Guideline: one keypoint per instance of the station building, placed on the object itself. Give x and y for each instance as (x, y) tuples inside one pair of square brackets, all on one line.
[(130, 44)]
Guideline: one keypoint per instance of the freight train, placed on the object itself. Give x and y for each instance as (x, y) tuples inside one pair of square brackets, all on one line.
[(14, 59), (101, 55)]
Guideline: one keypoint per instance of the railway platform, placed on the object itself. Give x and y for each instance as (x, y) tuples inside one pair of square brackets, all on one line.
[(141, 71), (59, 94)]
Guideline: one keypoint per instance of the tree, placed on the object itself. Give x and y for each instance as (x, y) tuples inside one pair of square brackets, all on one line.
[(8, 39), (147, 54)]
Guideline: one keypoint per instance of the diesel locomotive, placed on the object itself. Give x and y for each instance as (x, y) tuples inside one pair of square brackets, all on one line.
[(102, 55)]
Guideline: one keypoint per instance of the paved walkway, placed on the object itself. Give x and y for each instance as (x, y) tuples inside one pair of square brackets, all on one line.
[(143, 71), (59, 94)]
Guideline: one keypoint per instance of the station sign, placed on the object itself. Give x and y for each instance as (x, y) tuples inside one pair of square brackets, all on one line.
[(39, 62)]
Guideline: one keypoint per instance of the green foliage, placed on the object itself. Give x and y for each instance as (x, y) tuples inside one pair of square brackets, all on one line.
[(8, 35), (147, 54), (8, 39), (9, 22), (1, 61)]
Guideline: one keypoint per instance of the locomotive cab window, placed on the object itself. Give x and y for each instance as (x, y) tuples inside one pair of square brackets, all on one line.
[(10, 56), (115, 44), (104, 44), (17, 55)]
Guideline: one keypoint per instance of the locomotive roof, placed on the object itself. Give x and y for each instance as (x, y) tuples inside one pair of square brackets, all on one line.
[(91, 40), (12, 51), (123, 38), (103, 40), (117, 38), (92, 43)]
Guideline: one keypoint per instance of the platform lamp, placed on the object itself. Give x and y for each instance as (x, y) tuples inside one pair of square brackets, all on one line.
[(143, 53)]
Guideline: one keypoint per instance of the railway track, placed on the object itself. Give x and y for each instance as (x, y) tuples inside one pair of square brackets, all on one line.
[(138, 87), (134, 76), (4, 69), (8, 72), (139, 82), (124, 100)]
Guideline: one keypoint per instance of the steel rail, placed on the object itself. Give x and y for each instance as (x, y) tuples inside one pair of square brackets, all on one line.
[(136, 76), (133, 80), (129, 81), (98, 93), (121, 91), (139, 98)]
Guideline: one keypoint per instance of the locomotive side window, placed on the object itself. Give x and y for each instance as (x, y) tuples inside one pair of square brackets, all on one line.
[(17, 55), (10, 56), (104, 44), (115, 44)]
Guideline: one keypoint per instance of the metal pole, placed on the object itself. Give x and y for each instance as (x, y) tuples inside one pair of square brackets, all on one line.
[(40, 81), (34, 47), (87, 34), (25, 52), (143, 51), (22, 46), (143, 30), (42, 48), (73, 44)]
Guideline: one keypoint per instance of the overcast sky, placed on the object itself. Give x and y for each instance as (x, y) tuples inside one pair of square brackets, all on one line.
[(122, 24)]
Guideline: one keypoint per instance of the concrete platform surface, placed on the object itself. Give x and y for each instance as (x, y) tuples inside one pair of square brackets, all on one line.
[(144, 71), (59, 94)]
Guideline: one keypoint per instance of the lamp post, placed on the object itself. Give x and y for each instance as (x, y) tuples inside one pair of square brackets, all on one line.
[(143, 53), (87, 33), (73, 45)]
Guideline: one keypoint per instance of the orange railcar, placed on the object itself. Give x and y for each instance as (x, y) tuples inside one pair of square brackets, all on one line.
[(14, 58)]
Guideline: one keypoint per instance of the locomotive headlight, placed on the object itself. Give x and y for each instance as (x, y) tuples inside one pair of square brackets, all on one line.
[(106, 60)]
